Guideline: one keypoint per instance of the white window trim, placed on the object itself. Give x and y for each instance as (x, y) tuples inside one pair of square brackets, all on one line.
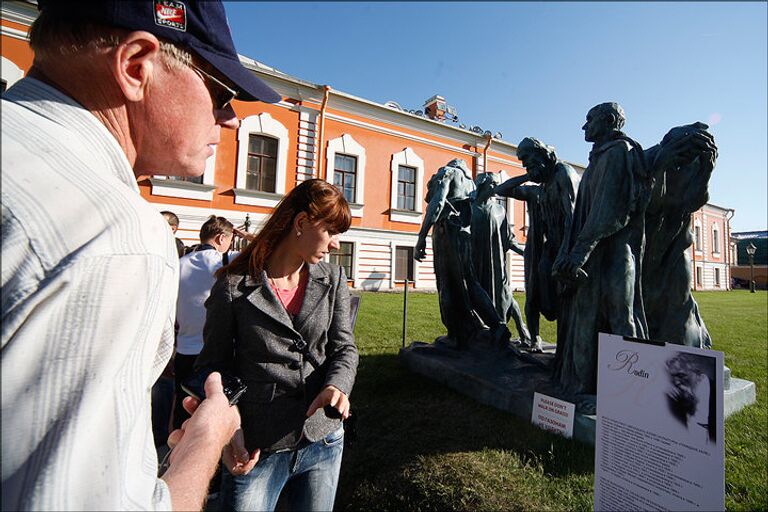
[(353, 276), (10, 72), (162, 186), (716, 238), (348, 146), (409, 158), (262, 124)]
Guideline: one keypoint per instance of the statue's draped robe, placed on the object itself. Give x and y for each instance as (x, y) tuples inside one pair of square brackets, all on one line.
[(465, 308), (550, 209), (608, 227), (672, 313), (491, 239)]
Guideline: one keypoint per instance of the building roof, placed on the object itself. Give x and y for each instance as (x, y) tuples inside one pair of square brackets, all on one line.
[(749, 235)]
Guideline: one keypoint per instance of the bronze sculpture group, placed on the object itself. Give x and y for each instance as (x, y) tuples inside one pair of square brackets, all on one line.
[(604, 253)]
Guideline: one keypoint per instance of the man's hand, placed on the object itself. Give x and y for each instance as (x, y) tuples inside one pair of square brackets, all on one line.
[(236, 458), (420, 252), (568, 269), (330, 395), (198, 444)]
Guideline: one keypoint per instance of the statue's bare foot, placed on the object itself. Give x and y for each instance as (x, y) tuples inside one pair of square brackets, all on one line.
[(530, 345)]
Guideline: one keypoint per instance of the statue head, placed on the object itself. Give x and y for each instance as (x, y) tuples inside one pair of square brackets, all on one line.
[(537, 158), (460, 164), (603, 120)]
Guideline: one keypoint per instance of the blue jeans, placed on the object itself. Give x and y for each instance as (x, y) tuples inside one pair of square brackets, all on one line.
[(306, 477)]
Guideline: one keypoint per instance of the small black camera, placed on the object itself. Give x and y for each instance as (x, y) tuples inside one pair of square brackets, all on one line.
[(233, 386)]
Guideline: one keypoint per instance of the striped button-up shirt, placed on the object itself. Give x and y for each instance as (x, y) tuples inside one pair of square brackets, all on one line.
[(89, 283)]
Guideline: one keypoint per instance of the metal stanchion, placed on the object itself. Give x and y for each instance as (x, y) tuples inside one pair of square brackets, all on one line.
[(405, 309)]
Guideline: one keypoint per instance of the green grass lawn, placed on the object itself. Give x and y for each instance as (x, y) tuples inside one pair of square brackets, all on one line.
[(421, 446)]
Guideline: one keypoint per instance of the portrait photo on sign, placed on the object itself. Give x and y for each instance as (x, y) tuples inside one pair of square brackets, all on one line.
[(691, 394)]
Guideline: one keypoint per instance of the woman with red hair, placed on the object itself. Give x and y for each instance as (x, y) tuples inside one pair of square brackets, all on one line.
[(278, 318)]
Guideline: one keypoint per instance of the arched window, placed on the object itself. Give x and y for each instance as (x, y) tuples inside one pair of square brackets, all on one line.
[(407, 187), (262, 159), (346, 170)]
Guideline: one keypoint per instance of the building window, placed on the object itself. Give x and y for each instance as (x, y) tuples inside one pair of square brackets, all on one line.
[(715, 239), (262, 161), (697, 237), (406, 188), (698, 277), (345, 176), (349, 150), (261, 172), (717, 277), (343, 257), (403, 263)]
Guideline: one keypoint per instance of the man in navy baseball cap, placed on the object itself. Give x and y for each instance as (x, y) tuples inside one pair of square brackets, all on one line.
[(200, 26), (117, 89)]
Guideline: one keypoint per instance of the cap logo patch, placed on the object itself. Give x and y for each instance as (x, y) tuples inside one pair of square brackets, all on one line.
[(171, 14)]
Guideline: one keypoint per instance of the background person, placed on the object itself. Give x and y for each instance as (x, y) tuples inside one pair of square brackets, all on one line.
[(173, 222), (278, 318), (196, 277), (117, 89)]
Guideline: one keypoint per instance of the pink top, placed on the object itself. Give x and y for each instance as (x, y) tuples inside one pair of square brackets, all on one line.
[(292, 299)]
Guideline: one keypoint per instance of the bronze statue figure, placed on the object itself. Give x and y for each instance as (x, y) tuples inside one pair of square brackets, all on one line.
[(492, 237), (600, 261), (550, 201), (465, 308), (682, 165)]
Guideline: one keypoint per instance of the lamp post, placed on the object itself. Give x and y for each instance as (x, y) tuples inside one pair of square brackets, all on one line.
[(751, 253)]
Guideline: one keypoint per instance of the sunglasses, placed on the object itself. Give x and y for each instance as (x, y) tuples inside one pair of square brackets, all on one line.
[(221, 94)]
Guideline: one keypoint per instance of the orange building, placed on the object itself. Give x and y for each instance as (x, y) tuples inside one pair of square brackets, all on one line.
[(380, 155)]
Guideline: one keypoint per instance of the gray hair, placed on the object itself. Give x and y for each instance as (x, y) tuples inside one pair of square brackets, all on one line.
[(51, 38)]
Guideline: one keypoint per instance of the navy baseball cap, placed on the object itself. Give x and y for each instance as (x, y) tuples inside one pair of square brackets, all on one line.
[(200, 26)]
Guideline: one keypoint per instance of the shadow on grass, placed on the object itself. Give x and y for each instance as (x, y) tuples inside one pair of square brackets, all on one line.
[(405, 422)]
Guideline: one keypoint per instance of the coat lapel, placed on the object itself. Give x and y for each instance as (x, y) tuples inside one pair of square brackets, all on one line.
[(318, 286), (266, 301)]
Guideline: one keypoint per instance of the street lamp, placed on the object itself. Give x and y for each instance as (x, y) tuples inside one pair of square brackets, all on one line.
[(751, 253)]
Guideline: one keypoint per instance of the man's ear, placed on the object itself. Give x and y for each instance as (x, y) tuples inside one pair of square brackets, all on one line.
[(133, 63)]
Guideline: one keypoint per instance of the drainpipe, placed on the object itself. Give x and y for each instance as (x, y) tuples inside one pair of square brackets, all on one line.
[(728, 218), (485, 153), (321, 169)]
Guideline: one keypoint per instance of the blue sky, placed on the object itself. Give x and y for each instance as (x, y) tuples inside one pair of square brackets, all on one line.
[(534, 69)]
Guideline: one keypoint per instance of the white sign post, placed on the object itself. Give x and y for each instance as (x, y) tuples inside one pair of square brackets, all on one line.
[(659, 440), (553, 414)]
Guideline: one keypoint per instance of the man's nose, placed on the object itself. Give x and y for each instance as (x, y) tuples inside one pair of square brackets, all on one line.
[(335, 242), (584, 127), (226, 118)]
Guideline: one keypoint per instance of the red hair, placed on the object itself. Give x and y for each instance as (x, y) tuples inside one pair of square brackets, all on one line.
[(320, 200)]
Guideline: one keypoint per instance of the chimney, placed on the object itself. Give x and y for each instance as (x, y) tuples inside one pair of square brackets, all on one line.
[(436, 108)]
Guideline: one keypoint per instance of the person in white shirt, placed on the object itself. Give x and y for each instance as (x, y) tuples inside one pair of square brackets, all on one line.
[(196, 277), (118, 89)]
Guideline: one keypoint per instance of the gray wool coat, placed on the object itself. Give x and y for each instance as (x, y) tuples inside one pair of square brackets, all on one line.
[(248, 333)]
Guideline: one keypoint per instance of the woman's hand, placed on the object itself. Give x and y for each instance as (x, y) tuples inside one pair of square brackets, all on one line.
[(330, 395), (236, 458)]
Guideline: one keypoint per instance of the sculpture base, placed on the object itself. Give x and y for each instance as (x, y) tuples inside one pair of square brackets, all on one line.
[(500, 378)]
